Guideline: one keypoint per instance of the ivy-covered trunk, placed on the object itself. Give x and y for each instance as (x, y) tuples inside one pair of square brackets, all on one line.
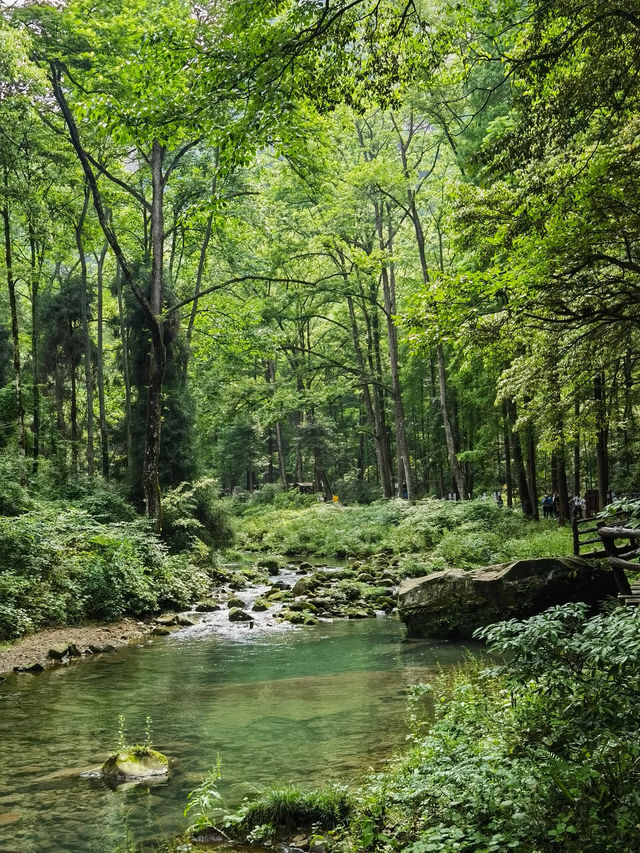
[(157, 354)]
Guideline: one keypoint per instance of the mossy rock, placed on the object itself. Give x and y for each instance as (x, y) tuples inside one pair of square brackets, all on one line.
[(358, 613), (208, 606), (302, 605), (260, 605), (235, 602), (135, 764), (236, 614), (275, 595), (159, 631)]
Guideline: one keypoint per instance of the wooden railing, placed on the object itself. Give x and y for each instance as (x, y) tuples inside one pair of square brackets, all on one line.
[(620, 557)]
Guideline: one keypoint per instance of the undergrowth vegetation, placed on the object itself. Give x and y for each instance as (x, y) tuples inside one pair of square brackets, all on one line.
[(428, 535), (66, 560)]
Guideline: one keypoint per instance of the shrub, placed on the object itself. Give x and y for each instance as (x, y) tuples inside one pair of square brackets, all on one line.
[(14, 499), (59, 568), (193, 511)]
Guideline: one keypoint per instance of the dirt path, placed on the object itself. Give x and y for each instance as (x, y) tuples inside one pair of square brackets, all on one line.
[(34, 648)]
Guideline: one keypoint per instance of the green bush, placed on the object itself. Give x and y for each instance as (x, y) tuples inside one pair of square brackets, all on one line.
[(14, 499), (193, 511), (59, 568)]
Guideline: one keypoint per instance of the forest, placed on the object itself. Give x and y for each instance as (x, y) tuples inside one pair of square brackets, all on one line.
[(345, 280), (404, 269)]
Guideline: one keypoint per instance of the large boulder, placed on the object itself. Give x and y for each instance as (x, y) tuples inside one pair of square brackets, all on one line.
[(453, 603)]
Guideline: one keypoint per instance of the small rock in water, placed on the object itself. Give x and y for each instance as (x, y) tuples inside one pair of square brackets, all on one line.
[(185, 621), (238, 615), (235, 602), (166, 619), (29, 667), (96, 648), (159, 631)]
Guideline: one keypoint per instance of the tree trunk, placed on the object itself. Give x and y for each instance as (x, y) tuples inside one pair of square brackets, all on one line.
[(35, 281), (388, 290), (126, 375), (414, 215), (13, 306), (448, 432), (377, 429), (282, 469), (507, 455), (532, 472), (104, 438), (74, 421), (157, 355), (523, 488), (602, 440), (84, 317), (576, 451), (564, 513)]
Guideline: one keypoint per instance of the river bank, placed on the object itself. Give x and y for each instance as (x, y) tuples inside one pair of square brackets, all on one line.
[(33, 650)]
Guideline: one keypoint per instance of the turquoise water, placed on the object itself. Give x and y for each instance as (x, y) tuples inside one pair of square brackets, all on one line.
[(305, 705)]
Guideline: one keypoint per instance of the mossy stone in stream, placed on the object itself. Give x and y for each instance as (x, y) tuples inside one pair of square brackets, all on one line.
[(236, 614), (260, 605), (135, 764), (235, 602)]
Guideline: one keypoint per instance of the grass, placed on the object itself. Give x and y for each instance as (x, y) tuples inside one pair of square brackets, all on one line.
[(280, 809)]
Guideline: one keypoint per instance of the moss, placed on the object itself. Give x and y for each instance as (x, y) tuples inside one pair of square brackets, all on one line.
[(135, 762)]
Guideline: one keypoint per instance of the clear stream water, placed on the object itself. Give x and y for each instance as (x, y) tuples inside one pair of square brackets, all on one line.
[(300, 704)]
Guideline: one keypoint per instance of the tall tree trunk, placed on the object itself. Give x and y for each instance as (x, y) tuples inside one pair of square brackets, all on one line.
[(13, 306), (388, 289), (507, 454), (74, 420), (414, 215), (157, 355), (282, 469), (36, 268), (377, 429), (84, 316), (532, 471), (576, 450), (602, 440), (523, 487), (126, 375), (458, 474), (151, 306), (104, 438), (564, 513)]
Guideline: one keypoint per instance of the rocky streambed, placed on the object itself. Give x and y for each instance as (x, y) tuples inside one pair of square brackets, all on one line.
[(259, 593)]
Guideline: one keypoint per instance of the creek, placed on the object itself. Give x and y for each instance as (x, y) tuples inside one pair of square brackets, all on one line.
[(307, 705)]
